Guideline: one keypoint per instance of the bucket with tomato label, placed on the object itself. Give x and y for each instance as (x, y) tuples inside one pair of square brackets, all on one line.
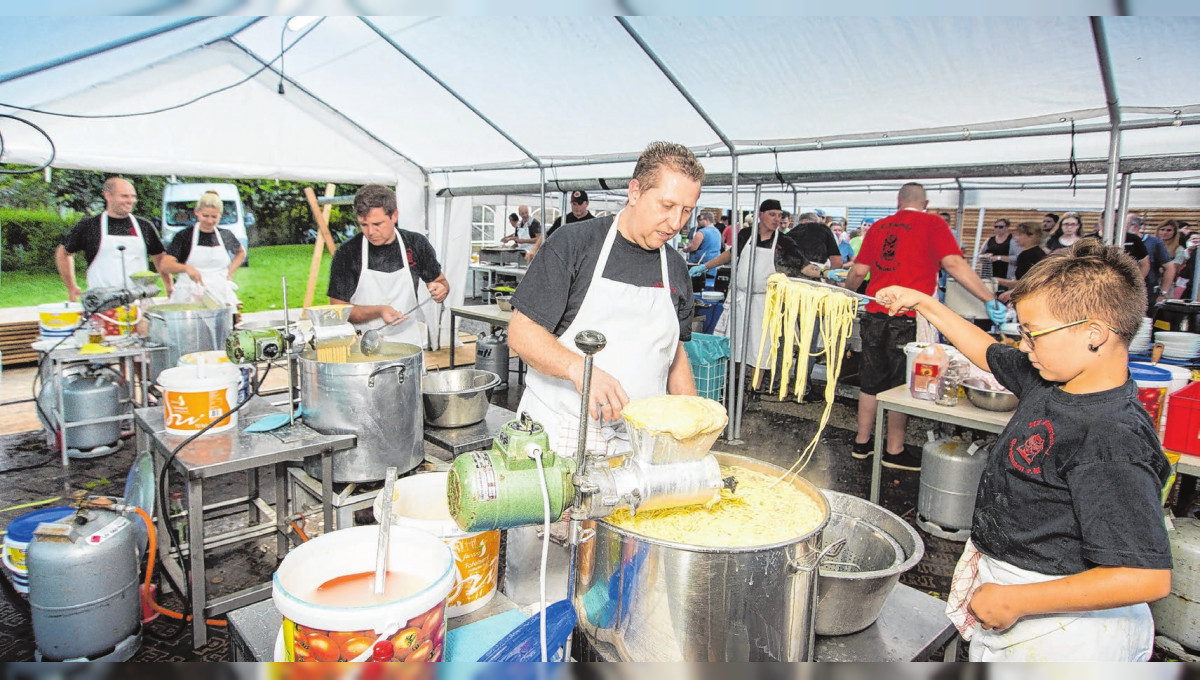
[(1152, 385), (419, 501), (324, 590)]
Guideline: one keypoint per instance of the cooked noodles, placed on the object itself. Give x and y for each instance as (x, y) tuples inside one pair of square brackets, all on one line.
[(792, 311), (758, 514)]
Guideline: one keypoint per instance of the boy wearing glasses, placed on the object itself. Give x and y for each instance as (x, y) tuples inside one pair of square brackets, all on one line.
[(1067, 539)]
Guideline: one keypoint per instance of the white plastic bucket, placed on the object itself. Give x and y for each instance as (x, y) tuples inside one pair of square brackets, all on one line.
[(412, 628), (216, 356), (419, 501), (194, 396), (1152, 383), (59, 319), (1180, 377)]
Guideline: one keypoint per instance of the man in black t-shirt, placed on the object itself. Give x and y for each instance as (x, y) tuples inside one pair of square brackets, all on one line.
[(579, 212), (384, 288), (611, 279), (811, 240), (527, 235), (109, 240)]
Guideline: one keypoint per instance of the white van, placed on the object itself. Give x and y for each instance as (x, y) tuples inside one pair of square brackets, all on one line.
[(179, 202)]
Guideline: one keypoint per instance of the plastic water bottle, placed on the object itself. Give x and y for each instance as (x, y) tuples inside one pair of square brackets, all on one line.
[(929, 373)]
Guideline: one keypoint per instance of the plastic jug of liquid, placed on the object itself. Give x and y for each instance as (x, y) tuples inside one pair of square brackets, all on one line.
[(929, 373)]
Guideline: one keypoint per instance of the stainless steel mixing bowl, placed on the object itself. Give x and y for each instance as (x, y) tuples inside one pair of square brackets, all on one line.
[(457, 398), (990, 400)]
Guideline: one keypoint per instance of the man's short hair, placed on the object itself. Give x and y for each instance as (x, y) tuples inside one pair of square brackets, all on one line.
[(656, 156), (912, 193), (111, 184), (374, 196), (512, 217), (1137, 220), (808, 217), (1089, 281), (1052, 216), (704, 216), (1007, 224)]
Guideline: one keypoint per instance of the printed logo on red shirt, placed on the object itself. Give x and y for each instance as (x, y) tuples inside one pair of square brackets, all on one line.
[(1027, 456)]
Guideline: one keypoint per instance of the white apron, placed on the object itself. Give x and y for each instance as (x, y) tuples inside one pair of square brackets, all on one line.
[(1118, 634), (105, 269), (213, 263), (642, 330), (764, 266), (395, 289)]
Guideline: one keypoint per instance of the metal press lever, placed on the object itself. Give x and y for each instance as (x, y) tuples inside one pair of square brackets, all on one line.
[(588, 342)]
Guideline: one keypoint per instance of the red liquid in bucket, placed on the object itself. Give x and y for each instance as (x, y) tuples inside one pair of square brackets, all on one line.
[(358, 590)]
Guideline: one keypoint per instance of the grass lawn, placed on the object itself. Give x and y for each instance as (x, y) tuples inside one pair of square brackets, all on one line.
[(258, 284)]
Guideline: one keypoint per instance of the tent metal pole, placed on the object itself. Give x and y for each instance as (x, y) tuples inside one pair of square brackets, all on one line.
[(453, 93), (743, 329), (542, 196), (733, 398), (1136, 164), (892, 139), (958, 214), (1114, 116), (1126, 182), (730, 304), (105, 47), (332, 109), (979, 235)]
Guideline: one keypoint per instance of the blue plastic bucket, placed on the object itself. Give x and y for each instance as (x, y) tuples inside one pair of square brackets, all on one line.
[(17, 538)]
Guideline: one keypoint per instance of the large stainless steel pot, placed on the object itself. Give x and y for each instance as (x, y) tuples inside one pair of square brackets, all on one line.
[(378, 400), (184, 330), (642, 599)]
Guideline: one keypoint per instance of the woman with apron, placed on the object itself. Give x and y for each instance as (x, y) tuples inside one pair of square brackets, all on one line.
[(205, 267)]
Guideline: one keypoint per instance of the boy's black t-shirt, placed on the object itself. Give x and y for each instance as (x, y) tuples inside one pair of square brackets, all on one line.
[(552, 291), (1075, 480)]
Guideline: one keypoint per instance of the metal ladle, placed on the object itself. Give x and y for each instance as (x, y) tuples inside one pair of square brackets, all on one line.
[(385, 531), (372, 339)]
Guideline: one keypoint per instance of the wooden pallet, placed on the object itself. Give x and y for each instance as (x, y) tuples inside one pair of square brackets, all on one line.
[(15, 341)]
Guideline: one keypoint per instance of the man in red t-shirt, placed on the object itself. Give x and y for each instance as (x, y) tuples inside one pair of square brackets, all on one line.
[(905, 249)]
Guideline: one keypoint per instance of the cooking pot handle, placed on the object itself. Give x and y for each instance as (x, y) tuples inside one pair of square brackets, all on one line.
[(813, 559), (382, 369), (806, 568), (155, 315)]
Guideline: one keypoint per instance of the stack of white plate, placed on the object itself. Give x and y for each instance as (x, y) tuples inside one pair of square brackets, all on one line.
[(1141, 341), (1181, 346)]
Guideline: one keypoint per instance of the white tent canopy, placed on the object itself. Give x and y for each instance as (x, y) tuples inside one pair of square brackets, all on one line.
[(395, 98), (986, 110)]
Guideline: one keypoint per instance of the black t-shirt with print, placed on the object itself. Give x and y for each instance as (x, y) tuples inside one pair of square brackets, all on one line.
[(85, 236), (552, 291), (347, 262), (1074, 481), (181, 245), (1028, 258)]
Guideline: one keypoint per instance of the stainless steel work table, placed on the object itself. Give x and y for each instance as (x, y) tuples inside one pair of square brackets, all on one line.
[(233, 450), (900, 399), (911, 627), (132, 354), (458, 440), (515, 271)]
